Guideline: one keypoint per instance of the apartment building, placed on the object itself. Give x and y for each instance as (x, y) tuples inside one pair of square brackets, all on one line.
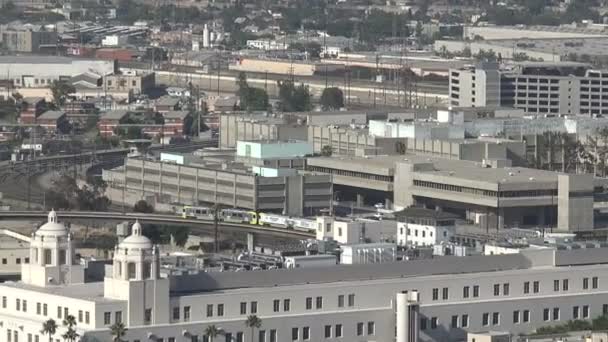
[(439, 299), (538, 88)]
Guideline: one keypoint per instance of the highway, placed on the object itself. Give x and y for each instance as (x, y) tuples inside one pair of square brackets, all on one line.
[(225, 227)]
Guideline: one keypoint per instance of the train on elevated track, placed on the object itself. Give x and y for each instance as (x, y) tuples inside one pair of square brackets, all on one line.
[(250, 217)]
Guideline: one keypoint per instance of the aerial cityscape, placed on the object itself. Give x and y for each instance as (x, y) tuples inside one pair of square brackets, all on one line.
[(303, 171)]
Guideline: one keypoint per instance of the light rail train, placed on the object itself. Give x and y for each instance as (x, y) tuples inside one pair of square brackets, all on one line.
[(250, 217)]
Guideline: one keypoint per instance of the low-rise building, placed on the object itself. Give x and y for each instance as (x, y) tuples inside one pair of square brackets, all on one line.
[(220, 180), (177, 123), (14, 252), (487, 193), (348, 231), (135, 83), (31, 108), (26, 39), (108, 121), (42, 71), (167, 104), (52, 120), (241, 126), (436, 300), (368, 253), (424, 227), (415, 129)]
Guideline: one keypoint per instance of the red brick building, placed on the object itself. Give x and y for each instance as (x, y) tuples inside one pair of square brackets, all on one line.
[(176, 123), (52, 120), (31, 108), (110, 120), (166, 104)]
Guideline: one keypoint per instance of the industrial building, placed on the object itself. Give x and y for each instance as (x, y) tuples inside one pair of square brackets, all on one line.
[(212, 178), (41, 71), (538, 88), (440, 299), (27, 39), (489, 193), (239, 126)]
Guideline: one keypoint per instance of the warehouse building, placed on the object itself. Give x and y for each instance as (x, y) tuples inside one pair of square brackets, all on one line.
[(435, 300), (42, 71)]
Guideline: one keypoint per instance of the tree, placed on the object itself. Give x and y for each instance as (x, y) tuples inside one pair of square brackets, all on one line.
[(143, 207), (66, 194), (327, 151), (49, 327), (294, 99), (212, 332), (60, 90), (70, 335), (253, 322), (118, 331), (332, 99), (251, 98)]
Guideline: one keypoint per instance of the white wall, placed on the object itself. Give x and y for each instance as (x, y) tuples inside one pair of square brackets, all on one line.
[(422, 235)]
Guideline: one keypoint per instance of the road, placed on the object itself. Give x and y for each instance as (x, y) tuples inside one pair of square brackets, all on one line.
[(226, 227)]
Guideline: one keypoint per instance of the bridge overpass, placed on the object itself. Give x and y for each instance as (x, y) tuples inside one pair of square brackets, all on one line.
[(225, 227)]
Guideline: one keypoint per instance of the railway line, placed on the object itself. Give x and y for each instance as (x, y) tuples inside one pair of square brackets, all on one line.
[(17, 179), (225, 227)]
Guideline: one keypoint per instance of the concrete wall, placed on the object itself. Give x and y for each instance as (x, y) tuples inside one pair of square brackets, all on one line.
[(575, 202)]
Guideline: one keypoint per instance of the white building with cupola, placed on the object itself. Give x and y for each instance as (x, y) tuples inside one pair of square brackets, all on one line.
[(418, 300)]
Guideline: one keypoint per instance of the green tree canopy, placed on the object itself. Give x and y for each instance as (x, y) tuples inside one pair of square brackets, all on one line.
[(332, 99), (294, 99), (251, 98), (142, 206), (60, 91)]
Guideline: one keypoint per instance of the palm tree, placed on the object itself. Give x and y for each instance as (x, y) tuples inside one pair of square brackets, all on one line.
[(70, 335), (118, 331), (49, 328), (212, 331), (253, 322)]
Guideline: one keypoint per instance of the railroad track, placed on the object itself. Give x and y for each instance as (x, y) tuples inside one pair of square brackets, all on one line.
[(159, 219)]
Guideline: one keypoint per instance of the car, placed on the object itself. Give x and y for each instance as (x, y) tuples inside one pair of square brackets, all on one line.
[(379, 205)]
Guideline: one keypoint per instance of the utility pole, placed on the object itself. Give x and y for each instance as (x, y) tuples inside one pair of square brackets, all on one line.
[(219, 68), (216, 229)]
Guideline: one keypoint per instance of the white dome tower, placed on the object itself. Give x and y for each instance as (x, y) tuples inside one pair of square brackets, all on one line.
[(136, 278), (52, 256)]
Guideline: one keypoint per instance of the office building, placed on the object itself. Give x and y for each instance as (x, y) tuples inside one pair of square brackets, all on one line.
[(439, 300), (538, 88), (477, 191)]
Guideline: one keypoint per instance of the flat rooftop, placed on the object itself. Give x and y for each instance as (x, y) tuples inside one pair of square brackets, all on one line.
[(564, 46), (92, 292), (459, 169), (449, 265)]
